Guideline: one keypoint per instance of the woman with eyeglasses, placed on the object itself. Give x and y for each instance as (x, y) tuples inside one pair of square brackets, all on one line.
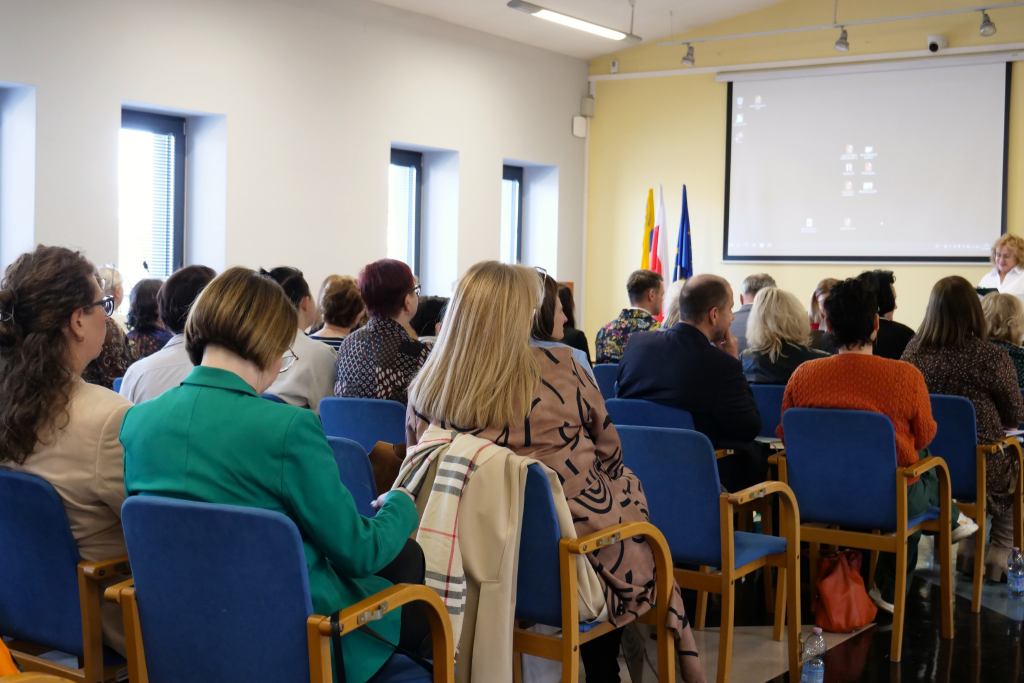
[(53, 322), (118, 351), (380, 359), (215, 440)]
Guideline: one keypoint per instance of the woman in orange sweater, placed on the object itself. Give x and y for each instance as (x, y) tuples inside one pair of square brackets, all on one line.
[(854, 379)]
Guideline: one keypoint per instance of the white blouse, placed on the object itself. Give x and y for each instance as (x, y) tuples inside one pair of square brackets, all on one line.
[(1013, 283)]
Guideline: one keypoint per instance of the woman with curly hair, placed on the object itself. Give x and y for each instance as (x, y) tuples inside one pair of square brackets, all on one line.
[(147, 332), (53, 322), (1007, 259)]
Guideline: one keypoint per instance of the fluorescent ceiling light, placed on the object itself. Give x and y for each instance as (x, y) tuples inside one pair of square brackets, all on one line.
[(572, 22)]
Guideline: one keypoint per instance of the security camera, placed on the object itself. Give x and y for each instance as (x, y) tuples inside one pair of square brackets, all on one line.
[(936, 43)]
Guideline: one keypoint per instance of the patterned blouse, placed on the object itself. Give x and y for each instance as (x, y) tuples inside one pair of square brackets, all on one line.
[(1016, 355), (378, 361), (117, 354), (149, 341), (612, 338)]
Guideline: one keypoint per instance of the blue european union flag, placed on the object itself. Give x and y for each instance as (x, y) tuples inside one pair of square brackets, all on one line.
[(684, 249)]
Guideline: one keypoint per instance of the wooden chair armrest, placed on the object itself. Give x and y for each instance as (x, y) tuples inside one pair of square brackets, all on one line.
[(113, 593), (723, 452), (1008, 443), (761, 490), (925, 464), (774, 459), (105, 568), (612, 535)]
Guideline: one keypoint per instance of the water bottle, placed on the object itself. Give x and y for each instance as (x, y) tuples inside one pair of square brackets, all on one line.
[(1015, 574), (814, 658)]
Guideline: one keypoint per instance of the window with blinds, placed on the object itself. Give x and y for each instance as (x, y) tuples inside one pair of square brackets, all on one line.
[(151, 196), (405, 190), (512, 214)]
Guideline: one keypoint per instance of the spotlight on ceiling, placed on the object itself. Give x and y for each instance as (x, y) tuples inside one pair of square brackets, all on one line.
[(842, 45), (572, 22), (688, 59), (987, 29)]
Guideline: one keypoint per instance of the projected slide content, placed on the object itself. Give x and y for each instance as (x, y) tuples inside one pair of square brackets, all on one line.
[(884, 165)]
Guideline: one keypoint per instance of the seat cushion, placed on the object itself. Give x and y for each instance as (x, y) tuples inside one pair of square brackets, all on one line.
[(401, 669), (749, 547), (931, 513)]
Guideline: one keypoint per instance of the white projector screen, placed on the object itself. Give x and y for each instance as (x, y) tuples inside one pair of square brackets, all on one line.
[(893, 165)]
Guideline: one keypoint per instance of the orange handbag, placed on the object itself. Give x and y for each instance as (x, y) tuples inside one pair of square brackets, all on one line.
[(842, 605)]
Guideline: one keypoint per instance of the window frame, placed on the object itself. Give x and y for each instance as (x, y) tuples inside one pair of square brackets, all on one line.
[(411, 159), (516, 173), (163, 124)]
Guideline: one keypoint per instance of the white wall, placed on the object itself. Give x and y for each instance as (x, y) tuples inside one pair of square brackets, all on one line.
[(313, 92)]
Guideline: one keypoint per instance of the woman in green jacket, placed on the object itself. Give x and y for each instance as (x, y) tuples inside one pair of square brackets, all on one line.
[(214, 439)]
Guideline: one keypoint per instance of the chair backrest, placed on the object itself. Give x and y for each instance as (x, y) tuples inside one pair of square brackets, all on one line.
[(769, 403), (364, 420), (679, 473), (38, 566), (606, 375), (222, 591), (272, 397), (842, 467), (639, 413), (118, 381), (356, 473), (956, 442), (538, 584)]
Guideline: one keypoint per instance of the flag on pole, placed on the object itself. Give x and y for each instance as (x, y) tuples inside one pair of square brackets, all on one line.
[(658, 259), (645, 250), (684, 248)]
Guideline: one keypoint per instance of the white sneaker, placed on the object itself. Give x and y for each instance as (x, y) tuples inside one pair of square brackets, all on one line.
[(965, 528), (876, 597)]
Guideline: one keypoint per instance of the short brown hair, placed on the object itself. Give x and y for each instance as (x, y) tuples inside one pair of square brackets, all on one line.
[(953, 316), (246, 313), (341, 302), (1004, 314), (699, 295), (640, 282)]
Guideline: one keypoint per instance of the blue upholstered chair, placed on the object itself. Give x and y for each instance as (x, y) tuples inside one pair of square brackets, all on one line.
[(364, 420), (272, 397), (220, 594), (769, 403), (546, 589), (355, 472), (956, 442), (118, 381), (48, 596), (684, 497), (606, 375), (841, 465), (639, 413)]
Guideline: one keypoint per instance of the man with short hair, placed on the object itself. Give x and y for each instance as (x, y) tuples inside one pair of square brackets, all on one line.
[(752, 284), (646, 290), (694, 366)]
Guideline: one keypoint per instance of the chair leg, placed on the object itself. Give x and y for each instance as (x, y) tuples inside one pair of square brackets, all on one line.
[(946, 574), (517, 667), (702, 606), (725, 642), (874, 563), (767, 523), (793, 607), (979, 562), (899, 602), (780, 604)]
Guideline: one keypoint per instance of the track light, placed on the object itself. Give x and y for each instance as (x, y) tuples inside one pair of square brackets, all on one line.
[(987, 29), (688, 59), (572, 22), (842, 45)]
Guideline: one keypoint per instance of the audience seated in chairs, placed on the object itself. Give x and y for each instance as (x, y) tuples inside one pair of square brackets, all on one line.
[(693, 366), (752, 284), (427, 321), (53, 322), (646, 291), (341, 307), (152, 376), (778, 337), (214, 440), (1004, 314), (854, 379), (312, 375), (816, 314), (380, 359), (955, 359), (483, 345), (892, 337), (571, 336), (549, 322), (145, 329)]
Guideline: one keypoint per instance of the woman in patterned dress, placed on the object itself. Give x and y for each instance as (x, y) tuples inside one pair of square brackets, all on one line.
[(484, 377)]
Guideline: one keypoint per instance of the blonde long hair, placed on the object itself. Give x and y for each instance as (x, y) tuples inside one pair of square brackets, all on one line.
[(670, 307), (481, 372), (1005, 316), (776, 318)]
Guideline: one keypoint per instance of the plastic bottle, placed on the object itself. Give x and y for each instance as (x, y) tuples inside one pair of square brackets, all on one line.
[(814, 658), (1015, 574)]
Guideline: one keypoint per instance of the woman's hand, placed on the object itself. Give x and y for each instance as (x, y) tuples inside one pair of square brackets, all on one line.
[(379, 503)]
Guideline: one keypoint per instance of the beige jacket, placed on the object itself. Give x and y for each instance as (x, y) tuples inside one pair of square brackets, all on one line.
[(84, 461)]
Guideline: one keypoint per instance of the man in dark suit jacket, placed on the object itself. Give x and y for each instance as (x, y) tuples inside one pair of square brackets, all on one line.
[(693, 366)]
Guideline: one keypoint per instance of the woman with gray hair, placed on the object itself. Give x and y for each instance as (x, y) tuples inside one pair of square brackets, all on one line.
[(778, 337)]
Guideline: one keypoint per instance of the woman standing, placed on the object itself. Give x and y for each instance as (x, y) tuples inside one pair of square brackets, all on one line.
[(1007, 259)]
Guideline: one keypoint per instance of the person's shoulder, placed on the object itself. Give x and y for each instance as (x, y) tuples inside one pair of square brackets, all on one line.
[(556, 354), (97, 398), (315, 348)]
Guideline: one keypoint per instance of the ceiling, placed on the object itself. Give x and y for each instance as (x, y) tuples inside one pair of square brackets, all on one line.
[(652, 21)]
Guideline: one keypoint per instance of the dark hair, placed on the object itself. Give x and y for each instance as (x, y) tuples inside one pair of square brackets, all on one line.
[(568, 305), (143, 312), (384, 285), (882, 282), (291, 281), (40, 291), (544, 318), (700, 295), (640, 282), (429, 312), (953, 317), (178, 293), (850, 310), (341, 304)]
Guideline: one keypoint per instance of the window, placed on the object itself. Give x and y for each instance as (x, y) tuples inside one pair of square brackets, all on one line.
[(151, 196), (512, 214), (405, 191)]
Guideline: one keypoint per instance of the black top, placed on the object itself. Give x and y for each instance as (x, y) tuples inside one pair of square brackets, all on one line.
[(759, 368), (891, 341), (577, 340)]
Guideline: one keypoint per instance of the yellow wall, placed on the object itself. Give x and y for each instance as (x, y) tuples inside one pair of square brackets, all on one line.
[(671, 130)]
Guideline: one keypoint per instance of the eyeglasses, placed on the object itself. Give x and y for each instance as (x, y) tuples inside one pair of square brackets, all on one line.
[(416, 290), (288, 360), (106, 302), (540, 270)]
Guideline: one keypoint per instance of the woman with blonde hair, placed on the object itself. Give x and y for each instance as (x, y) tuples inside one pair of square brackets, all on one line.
[(671, 305), (1004, 314), (778, 338), (1007, 259), (485, 377)]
